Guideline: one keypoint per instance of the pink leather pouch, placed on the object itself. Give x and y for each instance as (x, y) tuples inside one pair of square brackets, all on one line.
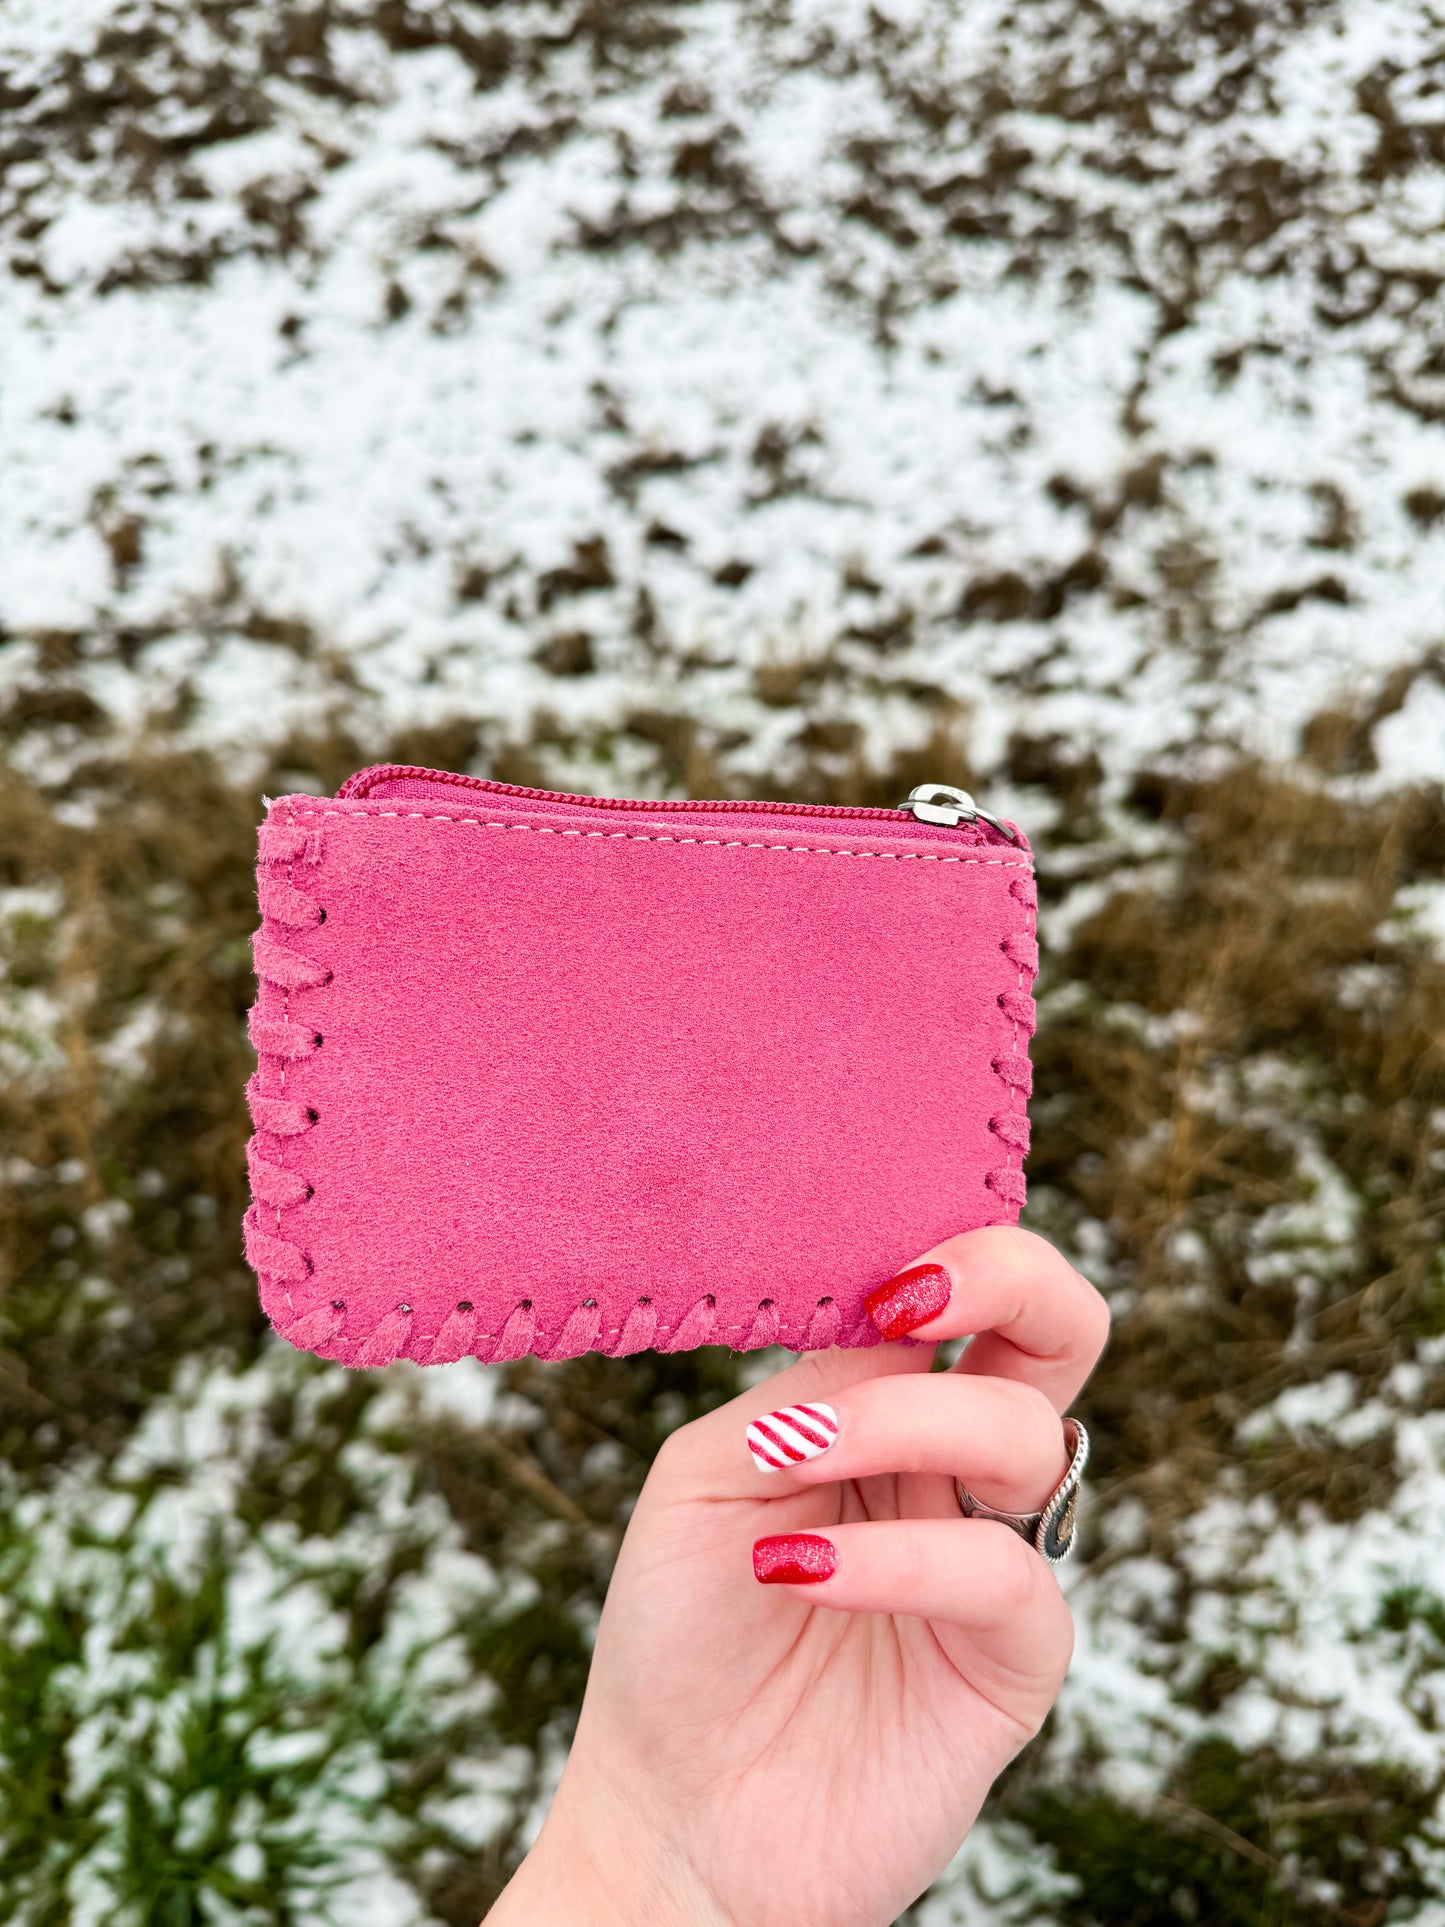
[(550, 1074)]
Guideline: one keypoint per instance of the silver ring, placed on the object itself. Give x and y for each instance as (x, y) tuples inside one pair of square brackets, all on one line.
[(1050, 1530)]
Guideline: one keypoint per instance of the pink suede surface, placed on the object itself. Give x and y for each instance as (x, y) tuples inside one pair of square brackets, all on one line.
[(552, 1081)]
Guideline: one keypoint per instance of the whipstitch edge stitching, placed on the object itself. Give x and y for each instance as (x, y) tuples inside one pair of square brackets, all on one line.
[(1014, 1071)]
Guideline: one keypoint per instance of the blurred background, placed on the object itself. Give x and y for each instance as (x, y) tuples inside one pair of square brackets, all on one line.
[(788, 398)]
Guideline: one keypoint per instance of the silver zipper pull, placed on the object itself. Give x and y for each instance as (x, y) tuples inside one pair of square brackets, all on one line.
[(941, 803)]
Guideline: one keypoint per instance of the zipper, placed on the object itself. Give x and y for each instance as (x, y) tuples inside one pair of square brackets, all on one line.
[(941, 803), (936, 803)]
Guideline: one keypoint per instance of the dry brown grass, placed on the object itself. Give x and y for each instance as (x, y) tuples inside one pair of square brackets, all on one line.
[(1305, 1015), (158, 907)]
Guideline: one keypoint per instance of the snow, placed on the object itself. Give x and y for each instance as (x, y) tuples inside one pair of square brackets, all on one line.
[(1410, 744)]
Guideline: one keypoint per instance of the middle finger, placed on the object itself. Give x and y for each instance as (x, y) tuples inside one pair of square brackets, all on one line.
[(1001, 1437)]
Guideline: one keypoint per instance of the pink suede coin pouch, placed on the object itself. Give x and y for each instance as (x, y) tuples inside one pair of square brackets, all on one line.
[(549, 1074)]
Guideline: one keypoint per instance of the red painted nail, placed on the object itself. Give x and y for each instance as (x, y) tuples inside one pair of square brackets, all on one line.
[(794, 1559), (909, 1300)]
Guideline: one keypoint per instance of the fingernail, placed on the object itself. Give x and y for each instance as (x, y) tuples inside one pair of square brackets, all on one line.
[(909, 1300), (794, 1559), (788, 1437)]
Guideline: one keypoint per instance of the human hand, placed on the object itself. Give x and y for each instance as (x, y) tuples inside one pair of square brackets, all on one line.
[(815, 1752)]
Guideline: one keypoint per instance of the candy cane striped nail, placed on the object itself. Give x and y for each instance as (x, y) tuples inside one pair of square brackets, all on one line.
[(789, 1437)]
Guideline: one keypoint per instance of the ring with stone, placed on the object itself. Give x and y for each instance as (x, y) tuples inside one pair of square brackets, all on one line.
[(1050, 1530)]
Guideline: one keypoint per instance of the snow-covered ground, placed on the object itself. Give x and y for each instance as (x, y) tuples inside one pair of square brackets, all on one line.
[(1083, 361)]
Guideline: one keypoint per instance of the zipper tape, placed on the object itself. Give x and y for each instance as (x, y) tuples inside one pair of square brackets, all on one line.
[(936, 804)]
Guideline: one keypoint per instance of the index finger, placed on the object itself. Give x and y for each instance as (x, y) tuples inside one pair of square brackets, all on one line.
[(1034, 1316)]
